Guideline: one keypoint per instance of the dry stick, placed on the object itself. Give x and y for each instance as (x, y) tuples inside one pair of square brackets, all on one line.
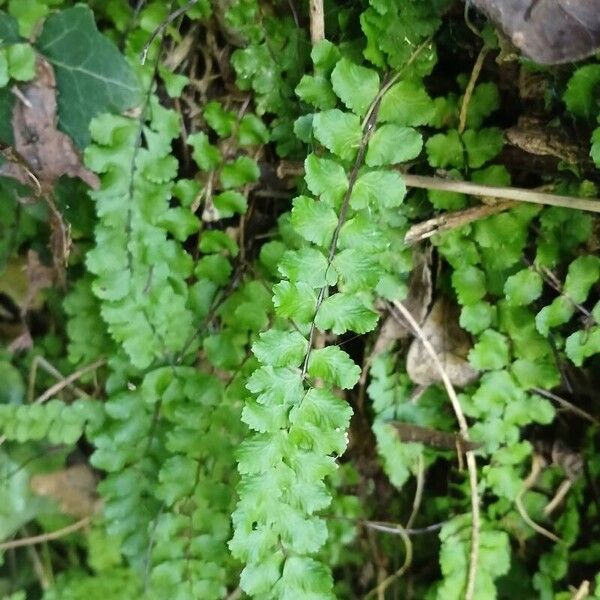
[(464, 430), (453, 220), (582, 592), (53, 390), (563, 490), (49, 368), (45, 537), (383, 585), (536, 468), (462, 122), (317, 21), (507, 193), (418, 492), (566, 405)]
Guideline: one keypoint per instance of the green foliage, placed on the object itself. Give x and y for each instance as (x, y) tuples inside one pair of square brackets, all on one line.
[(240, 402)]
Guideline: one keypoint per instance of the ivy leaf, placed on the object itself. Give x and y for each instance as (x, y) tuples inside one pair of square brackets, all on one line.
[(356, 86), (522, 288), (445, 150), (490, 352), (334, 366), (378, 188), (325, 178), (345, 312), (206, 156), (92, 75), (314, 221), (280, 348), (469, 284), (482, 145), (392, 144), (581, 95), (237, 173), (229, 203), (307, 265), (406, 103), (339, 132)]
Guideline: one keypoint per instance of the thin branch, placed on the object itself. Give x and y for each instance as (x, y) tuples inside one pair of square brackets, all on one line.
[(508, 193), (317, 21), (583, 591), (561, 493), (418, 491), (45, 537), (464, 430), (453, 220), (53, 390), (566, 405), (470, 87)]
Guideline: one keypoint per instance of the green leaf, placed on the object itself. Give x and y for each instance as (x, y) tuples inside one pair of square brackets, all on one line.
[(324, 55), (214, 267), (316, 90), (314, 221), (239, 172), (221, 120), (357, 270), (252, 131), (92, 75), (469, 284), (378, 188), (325, 178), (581, 96), (334, 366), (229, 203), (392, 144), (483, 102), (490, 352), (206, 156), (445, 150), (356, 86), (225, 350), (217, 241), (558, 312), (522, 288), (406, 103), (28, 14), (477, 317), (583, 344), (21, 62), (339, 132), (482, 145), (307, 265), (583, 273), (280, 348), (536, 373), (295, 301), (346, 312), (4, 75), (180, 222), (595, 147)]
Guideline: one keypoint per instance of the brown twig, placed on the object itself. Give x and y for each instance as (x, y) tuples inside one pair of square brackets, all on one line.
[(45, 537), (566, 405), (507, 193), (453, 220), (464, 430), (317, 21), (470, 87)]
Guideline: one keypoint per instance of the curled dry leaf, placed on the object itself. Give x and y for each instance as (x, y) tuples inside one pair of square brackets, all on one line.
[(73, 488), (451, 344), (417, 302)]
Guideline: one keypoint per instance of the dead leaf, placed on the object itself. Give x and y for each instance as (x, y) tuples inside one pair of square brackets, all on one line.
[(417, 302), (450, 343), (39, 278), (73, 488), (50, 153)]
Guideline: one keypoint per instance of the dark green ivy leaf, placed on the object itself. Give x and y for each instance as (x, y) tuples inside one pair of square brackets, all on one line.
[(92, 75)]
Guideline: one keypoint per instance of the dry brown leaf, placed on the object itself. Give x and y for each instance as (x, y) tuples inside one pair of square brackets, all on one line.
[(417, 302), (49, 152), (450, 343), (73, 488)]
